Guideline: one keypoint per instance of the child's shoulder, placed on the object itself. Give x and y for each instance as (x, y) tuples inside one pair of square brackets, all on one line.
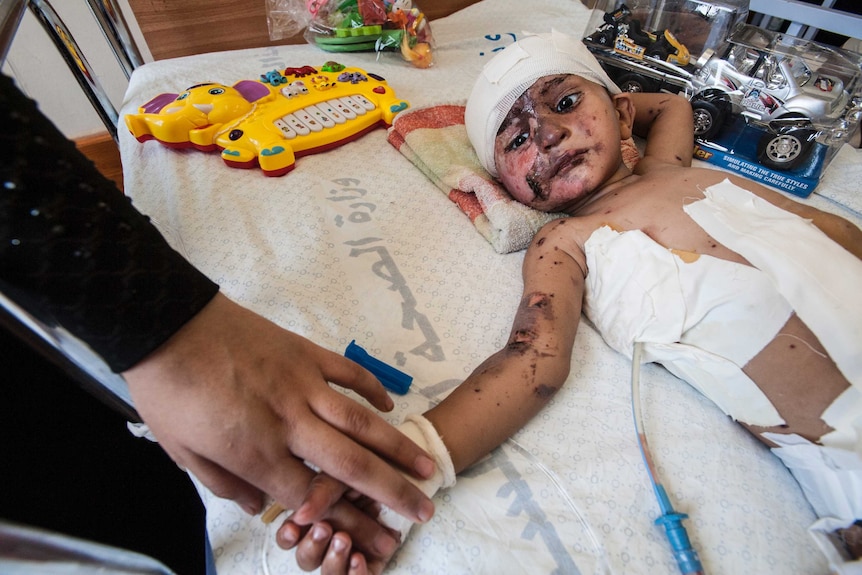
[(556, 256), (563, 237), (650, 165), (558, 233)]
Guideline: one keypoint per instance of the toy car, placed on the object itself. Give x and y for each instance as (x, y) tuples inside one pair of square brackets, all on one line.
[(636, 59), (624, 35), (770, 83)]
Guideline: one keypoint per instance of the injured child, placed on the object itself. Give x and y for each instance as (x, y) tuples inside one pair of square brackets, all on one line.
[(745, 294)]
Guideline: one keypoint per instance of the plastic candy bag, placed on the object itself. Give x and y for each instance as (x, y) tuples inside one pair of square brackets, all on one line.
[(371, 25), (286, 18)]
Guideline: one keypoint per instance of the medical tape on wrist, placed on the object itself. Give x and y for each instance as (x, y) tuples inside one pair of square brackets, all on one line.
[(423, 434)]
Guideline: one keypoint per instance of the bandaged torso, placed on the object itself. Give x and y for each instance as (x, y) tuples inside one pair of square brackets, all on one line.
[(704, 318)]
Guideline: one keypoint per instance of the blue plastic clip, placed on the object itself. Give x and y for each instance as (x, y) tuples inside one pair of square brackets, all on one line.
[(391, 378)]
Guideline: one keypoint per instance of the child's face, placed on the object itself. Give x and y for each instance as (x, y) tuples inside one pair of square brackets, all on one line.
[(559, 142)]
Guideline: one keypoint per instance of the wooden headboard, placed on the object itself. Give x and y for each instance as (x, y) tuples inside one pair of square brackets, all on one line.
[(182, 28)]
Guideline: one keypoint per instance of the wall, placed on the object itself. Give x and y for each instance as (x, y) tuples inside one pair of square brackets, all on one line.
[(43, 75)]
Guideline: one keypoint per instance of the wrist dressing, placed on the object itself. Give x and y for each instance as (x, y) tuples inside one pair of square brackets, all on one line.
[(423, 434)]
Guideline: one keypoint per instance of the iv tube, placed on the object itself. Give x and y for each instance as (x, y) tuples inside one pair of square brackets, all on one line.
[(685, 555)]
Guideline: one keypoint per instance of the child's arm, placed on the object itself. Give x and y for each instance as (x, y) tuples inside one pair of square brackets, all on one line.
[(665, 120), (511, 386), (500, 396)]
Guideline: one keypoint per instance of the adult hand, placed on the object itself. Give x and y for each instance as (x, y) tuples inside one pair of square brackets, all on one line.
[(241, 403)]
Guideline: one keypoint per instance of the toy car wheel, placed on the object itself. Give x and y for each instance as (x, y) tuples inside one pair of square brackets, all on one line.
[(785, 149), (636, 83), (708, 119), (658, 52), (604, 39)]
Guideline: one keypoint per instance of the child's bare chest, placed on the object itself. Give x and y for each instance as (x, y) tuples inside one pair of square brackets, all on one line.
[(655, 207)]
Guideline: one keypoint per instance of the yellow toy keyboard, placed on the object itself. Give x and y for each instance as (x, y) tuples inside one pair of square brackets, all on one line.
[(272, 121)]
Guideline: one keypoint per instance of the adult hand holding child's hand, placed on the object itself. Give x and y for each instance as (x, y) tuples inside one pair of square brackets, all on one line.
[(319, 545), (242, 403)]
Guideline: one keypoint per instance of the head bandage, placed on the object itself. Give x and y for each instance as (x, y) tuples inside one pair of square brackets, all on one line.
[(511, 72)]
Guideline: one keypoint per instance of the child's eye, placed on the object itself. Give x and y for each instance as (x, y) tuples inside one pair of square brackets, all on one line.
[(517, 141), (568, 102)]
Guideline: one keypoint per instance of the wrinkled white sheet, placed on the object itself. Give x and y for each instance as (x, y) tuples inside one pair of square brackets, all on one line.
[(355, 243)]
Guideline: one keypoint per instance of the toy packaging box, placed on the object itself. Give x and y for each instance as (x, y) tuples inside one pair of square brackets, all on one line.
[(776, 108), (695, 24), (772, 107)]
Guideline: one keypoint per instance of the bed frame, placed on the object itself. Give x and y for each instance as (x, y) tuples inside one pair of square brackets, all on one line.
[(807, 18)]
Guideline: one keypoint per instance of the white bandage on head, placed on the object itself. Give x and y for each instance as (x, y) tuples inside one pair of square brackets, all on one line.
[(511, 72), (423, 434)]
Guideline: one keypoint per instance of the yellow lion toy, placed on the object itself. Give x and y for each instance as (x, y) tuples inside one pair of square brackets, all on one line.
[(272, 121)]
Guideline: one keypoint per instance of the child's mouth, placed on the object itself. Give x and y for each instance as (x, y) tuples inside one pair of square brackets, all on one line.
[(568, 161), (536, 187), (562, 165), (539, 180)]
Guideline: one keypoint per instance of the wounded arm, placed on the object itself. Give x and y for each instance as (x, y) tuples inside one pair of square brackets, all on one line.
[(511, 386)]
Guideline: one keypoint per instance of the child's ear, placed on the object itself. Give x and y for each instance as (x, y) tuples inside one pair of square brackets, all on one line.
[(626, 112)]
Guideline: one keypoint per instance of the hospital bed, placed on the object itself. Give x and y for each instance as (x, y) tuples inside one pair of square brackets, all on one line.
[(356, 244)]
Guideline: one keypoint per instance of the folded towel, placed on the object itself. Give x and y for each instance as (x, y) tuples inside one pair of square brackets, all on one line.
[(435, 140)]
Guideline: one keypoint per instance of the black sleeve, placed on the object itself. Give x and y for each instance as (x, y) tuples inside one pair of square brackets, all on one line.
[(75, 253)]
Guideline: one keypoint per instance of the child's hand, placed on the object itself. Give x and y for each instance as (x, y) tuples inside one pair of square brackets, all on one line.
[(333, 552), (319, 545)]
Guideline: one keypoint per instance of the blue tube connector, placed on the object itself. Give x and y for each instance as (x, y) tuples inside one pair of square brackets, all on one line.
[(685, 555), (391, 378)]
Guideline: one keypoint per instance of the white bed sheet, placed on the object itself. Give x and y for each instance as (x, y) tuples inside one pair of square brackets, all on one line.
[(355, 243)]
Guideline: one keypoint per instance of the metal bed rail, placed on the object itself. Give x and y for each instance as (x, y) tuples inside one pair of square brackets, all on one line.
[(806, 19), (54, 343), (113, 26)]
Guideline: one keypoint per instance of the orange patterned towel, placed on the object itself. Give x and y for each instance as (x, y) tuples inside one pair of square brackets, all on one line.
[(434, 139)]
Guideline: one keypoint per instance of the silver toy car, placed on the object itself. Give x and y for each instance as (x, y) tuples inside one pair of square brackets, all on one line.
[(768, 79)]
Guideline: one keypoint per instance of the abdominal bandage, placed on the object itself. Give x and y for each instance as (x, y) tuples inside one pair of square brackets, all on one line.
[(423, 434), (705, 318), (821, 281), (818, 277)]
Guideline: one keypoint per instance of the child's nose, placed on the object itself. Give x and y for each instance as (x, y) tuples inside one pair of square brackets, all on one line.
[(551, 133)]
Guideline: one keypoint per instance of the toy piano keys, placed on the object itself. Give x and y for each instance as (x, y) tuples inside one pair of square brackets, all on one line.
[(272, 121)]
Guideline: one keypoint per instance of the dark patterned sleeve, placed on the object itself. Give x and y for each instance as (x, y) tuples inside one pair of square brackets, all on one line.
[(75, 253)]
